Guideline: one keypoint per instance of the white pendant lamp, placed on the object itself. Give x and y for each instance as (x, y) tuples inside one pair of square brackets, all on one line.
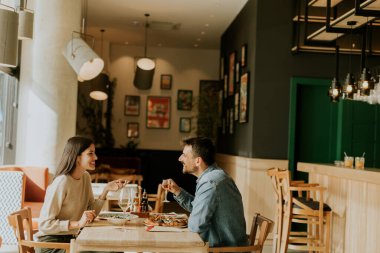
[(25, 25), (145, 66), (8, 38), (85, 62)]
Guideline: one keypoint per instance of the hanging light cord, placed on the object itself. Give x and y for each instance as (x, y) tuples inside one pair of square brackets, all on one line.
[(351, 47), (146, 33)]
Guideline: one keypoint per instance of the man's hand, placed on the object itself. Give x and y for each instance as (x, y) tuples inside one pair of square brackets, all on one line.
[(170, 185)]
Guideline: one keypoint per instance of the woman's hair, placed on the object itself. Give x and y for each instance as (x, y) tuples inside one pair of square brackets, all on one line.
[(74, 148), (202, 147)]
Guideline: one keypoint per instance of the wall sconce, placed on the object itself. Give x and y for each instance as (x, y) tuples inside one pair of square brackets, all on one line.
[(8, 37), (145, 66), (85, 62)]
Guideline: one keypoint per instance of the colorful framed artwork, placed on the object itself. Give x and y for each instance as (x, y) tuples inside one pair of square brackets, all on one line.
[(132, 105), (185, 125), (158, 112), (184, 100), (236, 106), (243, 55), (132, 130), (166, 82), (243, 108), (231, 74)]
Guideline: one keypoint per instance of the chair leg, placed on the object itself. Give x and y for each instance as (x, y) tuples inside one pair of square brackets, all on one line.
[(328, 227)]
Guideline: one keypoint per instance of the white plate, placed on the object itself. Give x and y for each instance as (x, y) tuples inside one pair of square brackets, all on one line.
[(117, 218)]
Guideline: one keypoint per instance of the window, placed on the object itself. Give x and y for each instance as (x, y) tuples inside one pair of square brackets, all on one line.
[(8, 118)]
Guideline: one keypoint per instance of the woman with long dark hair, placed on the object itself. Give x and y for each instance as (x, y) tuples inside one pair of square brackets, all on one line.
[(69, 202)]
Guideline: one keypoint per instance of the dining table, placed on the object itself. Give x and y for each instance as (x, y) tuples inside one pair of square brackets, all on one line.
[(134, 236)]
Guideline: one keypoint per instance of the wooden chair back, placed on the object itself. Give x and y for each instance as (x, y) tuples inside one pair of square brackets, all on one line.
[(133, 179), (21, 222), (261, 227), (157, 199)]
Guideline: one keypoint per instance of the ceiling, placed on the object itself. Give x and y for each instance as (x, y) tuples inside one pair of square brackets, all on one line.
[(172, 23)]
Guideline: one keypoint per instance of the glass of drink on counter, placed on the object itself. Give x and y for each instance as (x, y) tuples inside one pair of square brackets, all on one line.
[(359, 163), (348, 162)]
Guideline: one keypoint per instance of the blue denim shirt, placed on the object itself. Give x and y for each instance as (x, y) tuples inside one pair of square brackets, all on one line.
[(216, 209)]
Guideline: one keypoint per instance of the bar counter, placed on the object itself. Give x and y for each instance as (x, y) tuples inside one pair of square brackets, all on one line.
[(354, 196)]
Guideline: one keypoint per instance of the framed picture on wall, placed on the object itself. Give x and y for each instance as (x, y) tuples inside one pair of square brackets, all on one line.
[(184, 100), (185, 125), (132, 130), (237, 72), (132, 105), (243, 108), (243, 55), (231, 74), (158, 112), (166, 82), (236, 106), (221, 68), (225, 87)]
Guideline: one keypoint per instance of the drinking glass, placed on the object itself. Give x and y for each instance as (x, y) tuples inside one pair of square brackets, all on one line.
[(125, 201), (166, 197)]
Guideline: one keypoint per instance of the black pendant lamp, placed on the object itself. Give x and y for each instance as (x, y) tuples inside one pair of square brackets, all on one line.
[(349, 87), (145, 66), (365, 83), (335, 90), (100, 84)]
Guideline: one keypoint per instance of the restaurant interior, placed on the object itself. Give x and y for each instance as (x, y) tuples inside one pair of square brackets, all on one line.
[(289, 91)]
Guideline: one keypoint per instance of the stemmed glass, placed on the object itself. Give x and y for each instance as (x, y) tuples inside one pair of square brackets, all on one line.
[(125, 200), (166, 194)]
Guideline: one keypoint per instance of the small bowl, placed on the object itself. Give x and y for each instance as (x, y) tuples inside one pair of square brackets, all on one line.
[(117, 218)]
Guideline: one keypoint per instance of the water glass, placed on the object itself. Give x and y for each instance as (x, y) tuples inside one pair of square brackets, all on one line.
[(359, 163), (348, 162)]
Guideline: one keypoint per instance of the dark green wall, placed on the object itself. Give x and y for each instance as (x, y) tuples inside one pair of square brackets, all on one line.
[(266, 26)]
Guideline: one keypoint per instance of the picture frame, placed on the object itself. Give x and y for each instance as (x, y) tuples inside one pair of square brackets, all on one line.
[(132, 129), (231, 116), (231, 73), (185, 100), (236, 107), (184, 125), (221, 67), (132, 105), (158, 111), (237, 72), (225, 86), (166, 82), (243, 55), (243, 103)]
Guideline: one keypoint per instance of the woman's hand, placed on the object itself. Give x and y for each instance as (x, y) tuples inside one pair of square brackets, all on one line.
[(87, 217), (112, 186), (170, 185)]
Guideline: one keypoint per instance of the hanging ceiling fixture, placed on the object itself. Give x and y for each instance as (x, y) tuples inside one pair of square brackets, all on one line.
[(349, 87), (100, 84), (145, 66), (26, 20), (365, 83), (335, 90), (8, 37), (85, 62)]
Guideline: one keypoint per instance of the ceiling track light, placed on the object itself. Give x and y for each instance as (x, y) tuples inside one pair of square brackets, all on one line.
[(145, 66)]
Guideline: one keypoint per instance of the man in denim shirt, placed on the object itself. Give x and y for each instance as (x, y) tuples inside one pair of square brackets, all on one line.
[(216, 210)]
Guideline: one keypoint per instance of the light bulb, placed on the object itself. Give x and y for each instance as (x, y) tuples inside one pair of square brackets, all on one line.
[(365, 84)]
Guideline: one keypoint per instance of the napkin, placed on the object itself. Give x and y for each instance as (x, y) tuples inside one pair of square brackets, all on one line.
[(164, 229)]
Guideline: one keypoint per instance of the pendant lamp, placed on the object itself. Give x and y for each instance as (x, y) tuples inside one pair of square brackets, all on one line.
[(25, 22), (100, 84), (349, 87), (335, 90), (365, 83), (85, 62), (8, 38), (145, 66)]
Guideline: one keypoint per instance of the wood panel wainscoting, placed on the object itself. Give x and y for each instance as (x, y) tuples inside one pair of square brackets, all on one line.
[(250, 175), (353, 195)]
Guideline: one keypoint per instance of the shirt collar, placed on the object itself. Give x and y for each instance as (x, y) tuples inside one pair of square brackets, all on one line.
[(209, 168)]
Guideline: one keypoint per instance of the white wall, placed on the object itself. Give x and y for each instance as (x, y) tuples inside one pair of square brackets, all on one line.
[(187, 66)]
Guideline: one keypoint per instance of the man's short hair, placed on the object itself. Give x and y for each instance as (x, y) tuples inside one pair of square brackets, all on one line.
[(202, 147)]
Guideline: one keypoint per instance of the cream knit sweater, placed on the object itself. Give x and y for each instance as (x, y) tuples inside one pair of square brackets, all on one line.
[(66, 199)]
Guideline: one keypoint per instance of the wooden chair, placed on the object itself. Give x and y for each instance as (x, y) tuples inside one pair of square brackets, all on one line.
[(261, 223), (157, 199), (132, 178), (304, 210), (21, 221)]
